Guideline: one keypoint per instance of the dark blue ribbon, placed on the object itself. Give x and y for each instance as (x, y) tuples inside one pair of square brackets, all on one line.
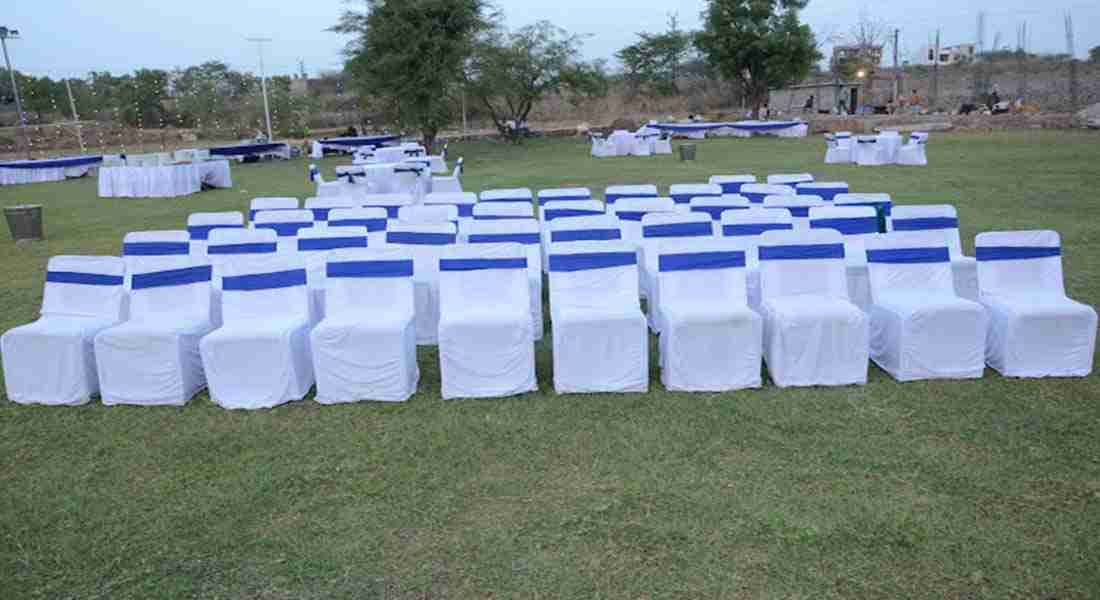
[(320, 214), (796, 211), (612, 198), (246, 248), (747, 229), (884, 206), (802, 252), (419, 239), (172, 278), (633, 215), (370, 269), (715, 212), (252, 213), (501, 238), (391, 211), (677, 230), (566, 263), (849, 226), (925, 224), (481, 264), (501, 217), (909, 256), (284, 229), (732, 187), (370, 224), (585, 235), (701, 261), (244, 150), (990, 253), (543, 200), (506, 199), (82, 278), (825, 193), (755, 197), (264, 281), (155, 248), (556, 213), (332, 243), (686, 198), (53, 164), (202, 232)]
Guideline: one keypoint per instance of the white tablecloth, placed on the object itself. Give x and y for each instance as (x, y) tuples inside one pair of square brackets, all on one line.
[(19, 176), (168, 181), (623, 141), (889, 142)]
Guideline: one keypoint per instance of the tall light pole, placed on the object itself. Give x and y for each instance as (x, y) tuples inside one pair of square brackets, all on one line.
[(259, 41), (6, 33)]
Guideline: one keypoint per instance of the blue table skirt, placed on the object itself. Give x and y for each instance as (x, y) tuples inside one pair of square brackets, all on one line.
[(57, 163)]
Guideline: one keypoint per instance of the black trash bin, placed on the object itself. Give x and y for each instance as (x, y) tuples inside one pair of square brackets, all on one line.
[(24, 221), (687, 151)]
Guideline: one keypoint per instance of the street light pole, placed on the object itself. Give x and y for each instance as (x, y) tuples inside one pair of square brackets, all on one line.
[(6, 33), (263, 82)]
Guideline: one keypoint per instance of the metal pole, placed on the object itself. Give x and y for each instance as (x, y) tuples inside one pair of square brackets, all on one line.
[(263, 83), (897, 73), (76, 118), (4, 33)]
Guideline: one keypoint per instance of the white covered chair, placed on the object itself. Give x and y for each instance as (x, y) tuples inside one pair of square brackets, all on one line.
[(314, 245), (492, 211), (261, 204), (463, 201), (839, 148), (662, 145), (321, 207), (711, 341), (601, 147), (868, 152), (756, 192), (425, 243), (437, 213), (857, 224), (913, 153), (573, 208), (716, 206), (662, 226), (731, 184), (827, 190), (563, 195), (365, 348), (260, 357), (630, 212), (149, 250), (882, 203), (451, 184), (52, 360), (1035, 329), (285, 224), (920, 328), (613, 193), (799, 206), (373, 219), (601, 342), (153, 358), (199, 226), (506, 195), (507, 231), (567, 230), (813, 335), (683, 193), (791, 179), (749, 225), (939, 224), (391, 202), (486, 342)]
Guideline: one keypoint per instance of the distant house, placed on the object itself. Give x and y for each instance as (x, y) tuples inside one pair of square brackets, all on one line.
[(848, 58), (948, 55)]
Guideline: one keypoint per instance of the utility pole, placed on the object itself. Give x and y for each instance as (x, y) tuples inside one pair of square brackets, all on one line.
[(1072, 51), (259, 41), (5, 35), (897, 73), (935, 95), (76, 118)]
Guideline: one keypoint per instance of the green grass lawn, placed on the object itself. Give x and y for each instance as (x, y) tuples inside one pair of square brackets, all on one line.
[(976, 489)]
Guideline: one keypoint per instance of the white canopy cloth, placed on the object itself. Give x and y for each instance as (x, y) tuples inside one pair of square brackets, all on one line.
[(42, 171), (52, 360), (168, 181)]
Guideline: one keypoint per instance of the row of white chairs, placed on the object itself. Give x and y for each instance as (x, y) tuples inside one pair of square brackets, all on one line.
[(864, 150), (268, 351)]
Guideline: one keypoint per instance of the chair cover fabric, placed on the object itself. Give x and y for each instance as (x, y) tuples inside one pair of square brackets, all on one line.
[(799, 207), (365, 348), (1035, 329), (315, 244), (920, 329), (599, 332), (322, 207), (373, 219), (568, 230), (504, 210), (613, 193), (868, 151), (506, 195), (630, 212), (391, 202), (756, 192), (52, 360), (813, 335), (259, 204), (882, 203), (716, 206), (286, 224), (511, 231), (856, 224), (425, 243), (563, 195), (683, 193), (913, 153), (939, 224), (452, 184), (465, 202), (710, 340), (153, 358), (749, 225), (572, 208), (791, 179), (486, 342), (839, 149), (199, 226), (437, 213), (602, 147), (662, 226), (827, 190), (260, 357), (146, 250), (731, 184)]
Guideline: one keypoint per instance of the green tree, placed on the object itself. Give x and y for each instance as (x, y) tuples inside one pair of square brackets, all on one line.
[(654, 63), (141, 98), (410, 54), (759, 44), (510, 72)]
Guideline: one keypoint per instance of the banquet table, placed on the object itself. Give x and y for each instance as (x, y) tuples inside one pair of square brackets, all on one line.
[(739, 128), (41, 171), (165, 181), (278, 149), (390, 178), (623, 141), (349, 144)]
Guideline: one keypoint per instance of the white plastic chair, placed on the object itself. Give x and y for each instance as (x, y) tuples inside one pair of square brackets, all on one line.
[(1035, 329), (716, 206), (749, 225), (813, 335), (711, 341), (463, 201), (563, 195), (856, 224), (868, 152), (601, 147), (571, 208), (425, 243), (52, 360), (321, 207), (630, 212), (154, 251), (260, 357), (913, 153), (365, 348), (567, 230), (153, 358), (451, 184), (439, 213), (682, 193), (662, 226), (314, 246), (199, 226), (601, 342), (799, 206), (662, 145), (827, 190), (791, 179), (285, 224), (939, 224), (490, 211), (486, 342), (391, 202), (506, 195), (510, 231), (920, 329), (261, 204), (731, 184), (613, 193), (373, 219), (756, 192)]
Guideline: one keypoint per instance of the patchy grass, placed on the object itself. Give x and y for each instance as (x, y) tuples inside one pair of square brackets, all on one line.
[(975, 489)]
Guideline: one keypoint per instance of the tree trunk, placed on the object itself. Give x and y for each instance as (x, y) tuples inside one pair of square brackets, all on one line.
[(428, 141)]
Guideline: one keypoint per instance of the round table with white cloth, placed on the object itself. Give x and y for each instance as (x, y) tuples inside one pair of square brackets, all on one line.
[(623, 142), (166, 181)]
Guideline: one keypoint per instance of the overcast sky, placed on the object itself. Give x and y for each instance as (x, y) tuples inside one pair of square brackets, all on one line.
[(65, 38)]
